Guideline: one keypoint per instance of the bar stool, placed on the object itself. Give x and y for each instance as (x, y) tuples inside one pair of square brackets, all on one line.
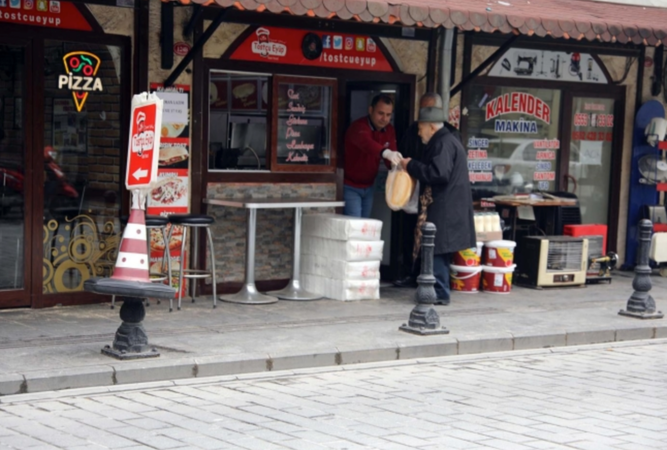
[(159, 223), (195, 221)]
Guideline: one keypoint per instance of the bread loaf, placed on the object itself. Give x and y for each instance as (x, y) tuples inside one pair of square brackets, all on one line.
[(398, 189)]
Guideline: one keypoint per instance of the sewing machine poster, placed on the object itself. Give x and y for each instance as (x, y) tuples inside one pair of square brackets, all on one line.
[(548, 65)]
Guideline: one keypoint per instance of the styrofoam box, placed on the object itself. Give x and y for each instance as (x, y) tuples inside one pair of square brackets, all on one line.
[(340, 270), (344, 290), (341, 228), (345, 250)]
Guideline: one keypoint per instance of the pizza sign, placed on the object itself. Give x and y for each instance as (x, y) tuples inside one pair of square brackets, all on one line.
[(79, 77)]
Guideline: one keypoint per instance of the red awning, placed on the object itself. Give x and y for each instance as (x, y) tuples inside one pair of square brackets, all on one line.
[(569, 19)]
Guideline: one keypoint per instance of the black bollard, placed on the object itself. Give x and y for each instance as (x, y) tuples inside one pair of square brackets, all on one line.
[(131, 340), (640, 304), (424, 320)]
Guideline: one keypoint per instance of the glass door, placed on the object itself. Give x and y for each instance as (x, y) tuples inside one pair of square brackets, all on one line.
[(81, 158), (591, 156), (15, 57)]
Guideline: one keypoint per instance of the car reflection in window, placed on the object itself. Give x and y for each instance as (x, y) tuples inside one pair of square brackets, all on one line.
[(514, 164)]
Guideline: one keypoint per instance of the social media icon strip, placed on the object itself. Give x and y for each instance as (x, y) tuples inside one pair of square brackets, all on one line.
[(338, 42), (360, 44), (349, 43), (326, 41), (370, 45)]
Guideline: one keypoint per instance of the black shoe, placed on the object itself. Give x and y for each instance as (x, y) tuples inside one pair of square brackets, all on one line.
[(407, 282), (441, 301)]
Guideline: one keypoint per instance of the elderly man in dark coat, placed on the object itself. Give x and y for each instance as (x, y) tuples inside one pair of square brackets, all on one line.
[(411, 146), (445, 194)]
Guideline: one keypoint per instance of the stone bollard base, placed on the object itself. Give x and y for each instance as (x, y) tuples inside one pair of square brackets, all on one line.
[(424, 320), (642, 315), (124, 355), (423, 331)]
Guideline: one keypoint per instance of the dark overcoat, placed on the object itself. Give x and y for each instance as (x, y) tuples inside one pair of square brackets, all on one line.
[(444, 167)]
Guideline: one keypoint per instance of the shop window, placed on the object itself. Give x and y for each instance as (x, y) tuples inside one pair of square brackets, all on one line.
[(271, 123), (303, 125), (238, 118), (512, 137)]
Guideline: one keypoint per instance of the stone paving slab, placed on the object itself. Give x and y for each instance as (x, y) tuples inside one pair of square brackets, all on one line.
[(59, 348)]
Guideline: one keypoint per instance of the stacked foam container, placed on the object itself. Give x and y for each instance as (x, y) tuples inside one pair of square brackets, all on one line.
[(340, 256)]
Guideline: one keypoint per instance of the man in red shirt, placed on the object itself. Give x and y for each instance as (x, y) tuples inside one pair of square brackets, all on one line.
[(367, 141)]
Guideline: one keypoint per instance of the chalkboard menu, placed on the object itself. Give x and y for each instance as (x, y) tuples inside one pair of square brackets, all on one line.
[(303, 123)]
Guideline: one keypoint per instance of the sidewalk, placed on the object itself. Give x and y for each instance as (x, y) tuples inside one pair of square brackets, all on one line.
[(59, 348)]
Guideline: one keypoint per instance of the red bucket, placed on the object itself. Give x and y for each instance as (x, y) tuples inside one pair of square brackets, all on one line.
[(471, 257), (499, 253), (497, 280), (464, 278)]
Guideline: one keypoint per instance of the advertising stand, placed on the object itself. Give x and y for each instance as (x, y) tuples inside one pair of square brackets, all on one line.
[(131, 279)]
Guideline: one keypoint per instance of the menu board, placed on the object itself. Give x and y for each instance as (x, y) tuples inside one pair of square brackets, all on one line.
[(303, 124)]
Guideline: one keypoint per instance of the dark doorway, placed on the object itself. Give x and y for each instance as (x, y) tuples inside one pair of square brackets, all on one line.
[(358, 98)]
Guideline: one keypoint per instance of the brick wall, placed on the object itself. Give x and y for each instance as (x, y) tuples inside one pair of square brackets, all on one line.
[(274, 244)]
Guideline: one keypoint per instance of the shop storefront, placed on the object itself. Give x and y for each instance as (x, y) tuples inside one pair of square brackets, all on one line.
[(279, 102), (545, 119), (65, 90), (259, 105)]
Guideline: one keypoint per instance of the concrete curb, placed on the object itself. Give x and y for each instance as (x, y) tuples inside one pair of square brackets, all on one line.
[(117, 373), (272, 375)]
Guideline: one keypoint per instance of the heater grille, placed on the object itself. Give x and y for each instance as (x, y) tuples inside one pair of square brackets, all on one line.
[(564, 255)]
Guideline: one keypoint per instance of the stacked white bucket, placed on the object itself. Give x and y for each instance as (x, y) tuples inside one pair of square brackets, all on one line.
[(340, 256)]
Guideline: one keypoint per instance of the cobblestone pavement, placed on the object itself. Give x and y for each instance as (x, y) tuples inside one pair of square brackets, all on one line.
[(610, 396)]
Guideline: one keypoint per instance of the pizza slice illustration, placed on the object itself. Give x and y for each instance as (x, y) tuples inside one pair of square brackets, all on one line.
[(82, 64)]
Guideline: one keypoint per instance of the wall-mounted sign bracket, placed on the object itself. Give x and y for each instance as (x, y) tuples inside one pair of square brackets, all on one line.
[(203, 39)]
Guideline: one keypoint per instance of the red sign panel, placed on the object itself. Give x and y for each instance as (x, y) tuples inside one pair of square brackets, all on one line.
[(43, 13), (312, 48), (142, 155)]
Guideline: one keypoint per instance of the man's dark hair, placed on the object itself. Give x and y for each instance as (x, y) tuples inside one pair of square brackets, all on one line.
[(384, 98)]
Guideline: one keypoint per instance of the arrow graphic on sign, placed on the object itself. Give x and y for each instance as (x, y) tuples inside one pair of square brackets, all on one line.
[(140, 173)]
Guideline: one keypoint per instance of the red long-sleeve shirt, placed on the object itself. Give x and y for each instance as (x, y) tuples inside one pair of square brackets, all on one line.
[(363, 150)]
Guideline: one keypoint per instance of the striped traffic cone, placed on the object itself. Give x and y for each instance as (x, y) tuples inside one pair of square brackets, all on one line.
[(130, 276), (132, 261)]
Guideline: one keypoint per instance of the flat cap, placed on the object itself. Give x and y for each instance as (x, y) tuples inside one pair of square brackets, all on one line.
[(431, 114)]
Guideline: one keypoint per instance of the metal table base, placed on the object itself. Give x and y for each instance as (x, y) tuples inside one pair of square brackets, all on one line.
[(294, 291), (249, 294)]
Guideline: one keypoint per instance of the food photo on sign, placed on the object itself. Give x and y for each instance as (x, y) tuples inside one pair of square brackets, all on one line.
[(217, 93), (171, 189), (244, 94), (174, 153), (158, 247)]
